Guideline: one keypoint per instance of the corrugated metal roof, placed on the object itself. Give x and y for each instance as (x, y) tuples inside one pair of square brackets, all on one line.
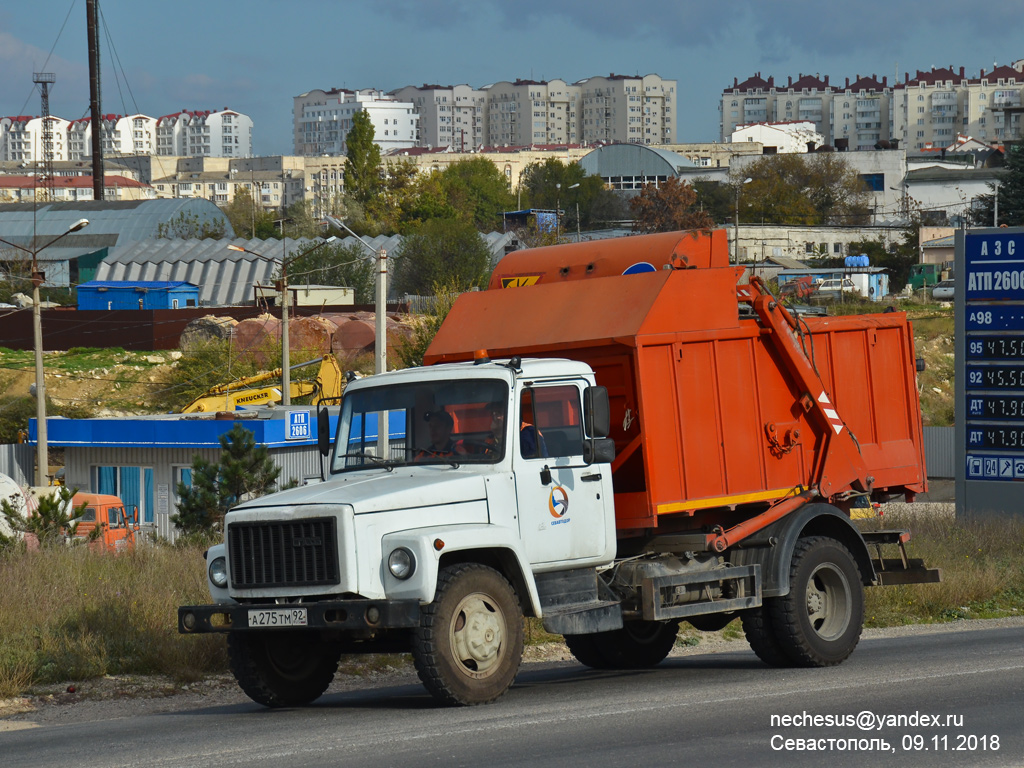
[(633, 160), (224, 277), (110, 223)]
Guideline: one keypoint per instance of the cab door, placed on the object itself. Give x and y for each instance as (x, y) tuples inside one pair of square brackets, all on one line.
[(566, 508)]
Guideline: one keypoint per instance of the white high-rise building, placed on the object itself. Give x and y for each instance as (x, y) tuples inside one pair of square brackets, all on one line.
[(449, 116), (633, 110), (324, 118), (530, 112), (223, 133), (122, 135), (21, 139)]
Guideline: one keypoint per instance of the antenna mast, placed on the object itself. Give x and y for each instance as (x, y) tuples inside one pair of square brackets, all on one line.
[(44, 80)]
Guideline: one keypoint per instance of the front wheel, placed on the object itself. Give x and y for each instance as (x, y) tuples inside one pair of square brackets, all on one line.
[(469, 644), (819, 622), (281, 668)]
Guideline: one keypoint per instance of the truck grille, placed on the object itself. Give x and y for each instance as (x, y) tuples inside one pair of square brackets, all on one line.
[(298, 553)]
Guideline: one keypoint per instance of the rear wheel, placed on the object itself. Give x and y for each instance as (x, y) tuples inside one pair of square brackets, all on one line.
[(760, 633), (282, 669), (819, 622), (469, 644), (638, 645)]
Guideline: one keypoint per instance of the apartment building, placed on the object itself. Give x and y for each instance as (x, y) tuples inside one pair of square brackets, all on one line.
[(323, 119), (70, 189), (212, 133), (121, 135), (855, 115), (619, 108), (21, 139), (934, 107), (928, 110), (449, 115), (527, 112), (634, 110)]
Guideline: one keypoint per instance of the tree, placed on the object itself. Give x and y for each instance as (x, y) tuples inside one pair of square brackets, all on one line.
[(539, 185), (188, 226), (244, 472), (478, 191), (362, 164), (803, 190), (442, 251), (716, 199), (1011, 193), (335, 264), (249, 219), (53, 522), (667, 208)]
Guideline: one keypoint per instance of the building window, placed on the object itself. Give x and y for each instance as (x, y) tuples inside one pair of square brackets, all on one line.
[(133, 485)]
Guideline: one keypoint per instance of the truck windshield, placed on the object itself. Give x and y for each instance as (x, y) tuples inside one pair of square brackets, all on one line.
[(436, 422)]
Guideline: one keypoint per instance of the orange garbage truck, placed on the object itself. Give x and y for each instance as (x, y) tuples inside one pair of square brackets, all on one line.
[(616, 437)]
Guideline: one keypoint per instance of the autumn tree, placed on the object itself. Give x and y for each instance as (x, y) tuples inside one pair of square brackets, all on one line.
[(803, 190), (363, 164), (667, 208), (441, 251)]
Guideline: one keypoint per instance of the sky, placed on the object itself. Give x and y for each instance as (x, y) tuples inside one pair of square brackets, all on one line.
[(255, 56)]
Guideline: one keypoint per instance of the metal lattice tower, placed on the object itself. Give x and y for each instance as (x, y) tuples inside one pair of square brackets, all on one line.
[(44, 80)]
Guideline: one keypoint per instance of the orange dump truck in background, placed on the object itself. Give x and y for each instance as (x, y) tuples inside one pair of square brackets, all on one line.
[(616, 437)]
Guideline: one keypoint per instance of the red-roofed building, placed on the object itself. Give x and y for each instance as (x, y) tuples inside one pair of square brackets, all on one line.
[(21, 139), (929, 109), (121, 135), (23, 189)]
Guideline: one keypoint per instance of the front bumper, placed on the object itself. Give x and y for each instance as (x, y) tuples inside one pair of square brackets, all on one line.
[(345, 615)]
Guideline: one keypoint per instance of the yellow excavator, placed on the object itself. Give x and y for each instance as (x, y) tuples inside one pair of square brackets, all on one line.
[(326, 388)]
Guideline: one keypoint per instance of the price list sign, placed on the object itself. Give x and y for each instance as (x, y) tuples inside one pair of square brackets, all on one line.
[(989, 299)]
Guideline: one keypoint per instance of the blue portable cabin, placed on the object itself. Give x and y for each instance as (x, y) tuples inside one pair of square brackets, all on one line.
[(137, 294)]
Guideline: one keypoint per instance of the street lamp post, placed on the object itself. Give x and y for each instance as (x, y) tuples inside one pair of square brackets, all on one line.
[(380, 348), (42, 448), (736, 221), (576, 186), (558, 212), (286, 373)]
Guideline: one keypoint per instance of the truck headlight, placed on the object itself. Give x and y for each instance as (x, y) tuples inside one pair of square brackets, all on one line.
[(219, 572), (401, 563)]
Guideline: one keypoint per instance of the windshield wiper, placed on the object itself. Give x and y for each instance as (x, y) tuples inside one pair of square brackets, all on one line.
[(377, 460)]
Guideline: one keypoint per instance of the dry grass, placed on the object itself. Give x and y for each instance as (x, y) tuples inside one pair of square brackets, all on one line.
[(71, 614), (982, 572)]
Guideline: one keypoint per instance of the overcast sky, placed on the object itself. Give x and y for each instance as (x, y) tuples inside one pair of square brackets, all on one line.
[(254, 56)]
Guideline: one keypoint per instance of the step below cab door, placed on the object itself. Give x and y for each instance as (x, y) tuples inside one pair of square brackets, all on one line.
[(566, 511)]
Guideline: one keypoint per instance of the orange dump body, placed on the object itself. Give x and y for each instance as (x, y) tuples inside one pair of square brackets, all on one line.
[(712, 422)]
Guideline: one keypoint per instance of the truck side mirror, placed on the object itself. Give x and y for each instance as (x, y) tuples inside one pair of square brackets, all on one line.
[(597, 412), (598, 450), (323, 431)]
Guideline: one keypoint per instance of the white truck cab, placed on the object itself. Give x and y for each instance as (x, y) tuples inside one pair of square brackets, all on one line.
[(440, 478)]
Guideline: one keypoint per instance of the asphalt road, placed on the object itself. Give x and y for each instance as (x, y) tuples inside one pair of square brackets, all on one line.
[(713, 709)]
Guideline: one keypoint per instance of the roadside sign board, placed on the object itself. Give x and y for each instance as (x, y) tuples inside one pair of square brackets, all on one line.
[(299, 426), (989, 363)]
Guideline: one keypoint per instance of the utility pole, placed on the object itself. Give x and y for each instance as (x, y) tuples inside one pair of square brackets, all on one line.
[(92, 24)]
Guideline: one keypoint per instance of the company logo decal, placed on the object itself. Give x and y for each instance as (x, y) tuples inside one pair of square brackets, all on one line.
[(638, 268), (519, 282), (558, 504)]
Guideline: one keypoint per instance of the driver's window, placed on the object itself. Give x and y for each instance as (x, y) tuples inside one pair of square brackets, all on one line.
[(550, 422)]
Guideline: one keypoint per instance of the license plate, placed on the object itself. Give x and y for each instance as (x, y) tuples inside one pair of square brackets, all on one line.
[(278, 617)]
